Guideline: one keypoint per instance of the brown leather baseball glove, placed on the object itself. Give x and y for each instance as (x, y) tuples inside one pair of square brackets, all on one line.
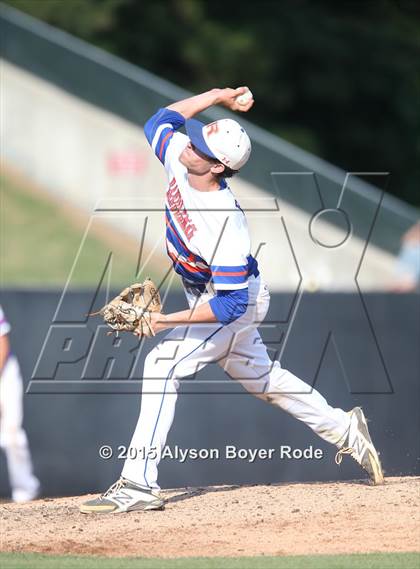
[(130, 310)]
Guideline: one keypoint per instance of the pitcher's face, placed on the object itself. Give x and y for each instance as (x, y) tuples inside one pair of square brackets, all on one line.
[(197, 162)]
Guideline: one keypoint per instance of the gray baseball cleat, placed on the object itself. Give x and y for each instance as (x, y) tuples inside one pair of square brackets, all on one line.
[(123, 496), (359, 446)]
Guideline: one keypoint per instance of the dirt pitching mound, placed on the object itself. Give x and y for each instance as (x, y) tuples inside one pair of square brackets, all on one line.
[(285, 519)]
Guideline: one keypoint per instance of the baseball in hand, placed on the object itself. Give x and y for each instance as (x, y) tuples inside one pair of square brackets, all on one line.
[(245, 97)]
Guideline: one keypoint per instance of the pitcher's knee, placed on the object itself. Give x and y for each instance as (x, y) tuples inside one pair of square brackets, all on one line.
[(151, 359), (158, 376), (12, 437), (156, 366)]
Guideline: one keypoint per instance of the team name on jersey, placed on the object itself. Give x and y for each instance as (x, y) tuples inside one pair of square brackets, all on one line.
[(176, 205)]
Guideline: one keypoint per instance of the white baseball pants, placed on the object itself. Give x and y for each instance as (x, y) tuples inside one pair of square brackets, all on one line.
[(13, 438), (239, 350)]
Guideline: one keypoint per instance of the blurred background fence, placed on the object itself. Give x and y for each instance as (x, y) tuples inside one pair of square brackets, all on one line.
[(71, 123)]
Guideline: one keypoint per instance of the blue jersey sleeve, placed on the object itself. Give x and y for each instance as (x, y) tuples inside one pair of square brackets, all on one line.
[(229, 305), (160, 128)]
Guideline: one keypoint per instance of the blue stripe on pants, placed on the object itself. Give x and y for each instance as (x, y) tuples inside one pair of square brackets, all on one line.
[(164, 392)]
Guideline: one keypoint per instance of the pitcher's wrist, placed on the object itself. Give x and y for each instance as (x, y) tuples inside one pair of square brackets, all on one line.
[(218, 95)]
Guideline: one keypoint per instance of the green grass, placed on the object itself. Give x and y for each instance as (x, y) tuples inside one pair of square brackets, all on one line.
[(39, 243), (361, 561)]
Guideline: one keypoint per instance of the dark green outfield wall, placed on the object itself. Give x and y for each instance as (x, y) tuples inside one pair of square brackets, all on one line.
[(69, 418)]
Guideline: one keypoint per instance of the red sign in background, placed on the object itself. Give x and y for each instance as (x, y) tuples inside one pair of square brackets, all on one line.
[(121, 162)]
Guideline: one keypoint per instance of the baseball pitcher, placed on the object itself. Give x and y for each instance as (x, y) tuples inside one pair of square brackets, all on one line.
[(209, 245)]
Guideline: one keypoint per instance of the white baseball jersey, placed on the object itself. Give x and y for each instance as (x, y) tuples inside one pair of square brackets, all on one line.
[(4, 325), (207, 234)]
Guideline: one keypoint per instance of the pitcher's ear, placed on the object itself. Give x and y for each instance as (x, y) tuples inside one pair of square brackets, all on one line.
[(218, 168)]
